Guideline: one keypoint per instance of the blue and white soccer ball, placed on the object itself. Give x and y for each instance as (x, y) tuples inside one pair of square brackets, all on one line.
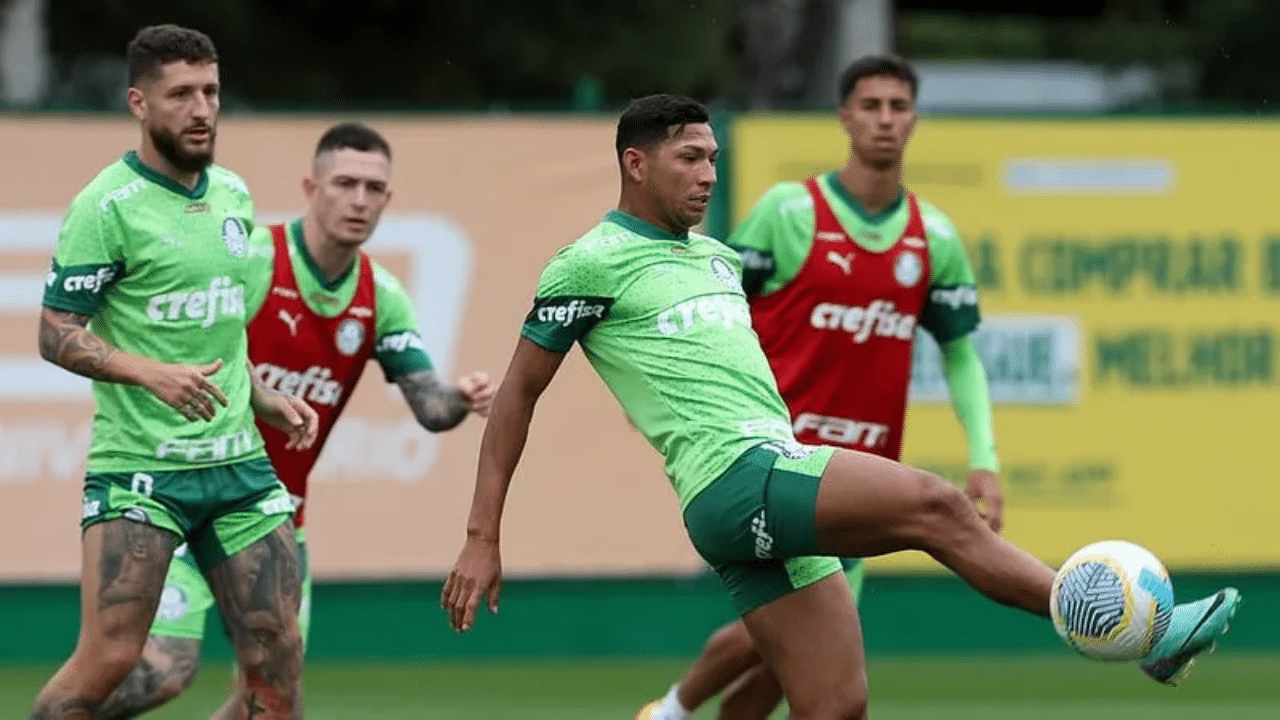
[(1112, 600)]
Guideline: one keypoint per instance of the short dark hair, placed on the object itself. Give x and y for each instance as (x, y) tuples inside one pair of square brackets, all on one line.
[(873, 65), (647, 121), (158, 45), (352, 136)]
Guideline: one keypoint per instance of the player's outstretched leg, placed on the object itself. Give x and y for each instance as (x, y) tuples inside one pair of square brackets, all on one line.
[(258, 590), (1194, 629), (867, 505), (167, 667), (121, 575)]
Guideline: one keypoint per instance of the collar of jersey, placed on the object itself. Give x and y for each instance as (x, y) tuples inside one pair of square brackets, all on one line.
[(295, 230), (135, 163), (642, 228), (832, 180)]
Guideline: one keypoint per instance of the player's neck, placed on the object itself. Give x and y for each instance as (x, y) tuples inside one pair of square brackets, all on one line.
[(152, 158), (333, 259), (874, 189), (638, 208)]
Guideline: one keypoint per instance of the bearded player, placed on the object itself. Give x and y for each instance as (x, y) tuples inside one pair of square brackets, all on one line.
[(321, 309)]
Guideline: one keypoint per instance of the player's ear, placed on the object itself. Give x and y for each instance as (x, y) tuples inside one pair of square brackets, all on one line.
[(845, 114), (137, 103), (308, 186), (633, 164)]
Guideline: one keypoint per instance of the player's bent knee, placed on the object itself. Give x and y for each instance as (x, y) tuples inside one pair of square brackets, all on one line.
[(943, 514)]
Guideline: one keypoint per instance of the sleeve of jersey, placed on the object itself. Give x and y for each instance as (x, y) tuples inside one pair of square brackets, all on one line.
[(755, 240), (971, 400), (951, 308), (399, 349), (570, 301), (89, 256)]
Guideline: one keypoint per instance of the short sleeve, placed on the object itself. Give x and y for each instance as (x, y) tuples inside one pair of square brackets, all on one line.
[(951, 308), (89, 256), (573, 297), (399, 350)]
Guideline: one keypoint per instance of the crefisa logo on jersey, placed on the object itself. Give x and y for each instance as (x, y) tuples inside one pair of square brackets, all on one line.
[(724, 272), (349, 337), (236, 237), (908, 268)]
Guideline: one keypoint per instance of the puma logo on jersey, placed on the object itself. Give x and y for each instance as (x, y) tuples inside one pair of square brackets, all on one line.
[(724, 310), (879, 318), (315, 384), (291, 321), (844, 262), (853, 433), (829, 236), (222, 298)]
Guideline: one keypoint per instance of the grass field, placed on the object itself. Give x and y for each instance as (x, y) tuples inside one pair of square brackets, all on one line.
[(1223, 687)]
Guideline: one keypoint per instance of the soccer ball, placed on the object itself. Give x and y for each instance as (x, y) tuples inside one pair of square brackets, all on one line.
[(1112, 600)]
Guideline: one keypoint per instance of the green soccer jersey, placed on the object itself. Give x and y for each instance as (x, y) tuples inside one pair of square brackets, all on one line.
[(662, 318), (160, 271), (775, 239), (398, 349)]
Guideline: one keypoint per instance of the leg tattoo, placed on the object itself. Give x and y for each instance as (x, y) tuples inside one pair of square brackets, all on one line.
[(167, 667), (258, 591)]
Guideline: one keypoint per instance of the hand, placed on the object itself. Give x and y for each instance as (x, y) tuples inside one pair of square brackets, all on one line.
[(292, 416), (477, 391), (477, 573), (984, 490), (185, 388)]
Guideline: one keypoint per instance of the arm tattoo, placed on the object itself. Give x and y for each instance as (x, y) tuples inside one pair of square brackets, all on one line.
[(65, 341), (436, 407)]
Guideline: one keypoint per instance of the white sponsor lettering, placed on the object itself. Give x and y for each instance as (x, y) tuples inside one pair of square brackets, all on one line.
[(315, 384), (570, 312), (727, 311), (121, 193), (90, 283), (766, 427), (399, 342), (276, 506), (955, 298), (841, 431), (879, 318), (764, 541), (221, 299), (206, 449)]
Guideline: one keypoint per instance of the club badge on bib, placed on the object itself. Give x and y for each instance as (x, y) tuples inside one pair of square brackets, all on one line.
[(349, 336)]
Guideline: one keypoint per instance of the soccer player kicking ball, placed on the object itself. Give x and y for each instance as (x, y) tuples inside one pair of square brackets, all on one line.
[(321, 310), (661, 315), (839, 271), (146, 296)]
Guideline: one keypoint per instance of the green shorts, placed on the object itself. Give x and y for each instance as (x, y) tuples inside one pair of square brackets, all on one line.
[(218, 511), (755, 523), (187, 599)]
